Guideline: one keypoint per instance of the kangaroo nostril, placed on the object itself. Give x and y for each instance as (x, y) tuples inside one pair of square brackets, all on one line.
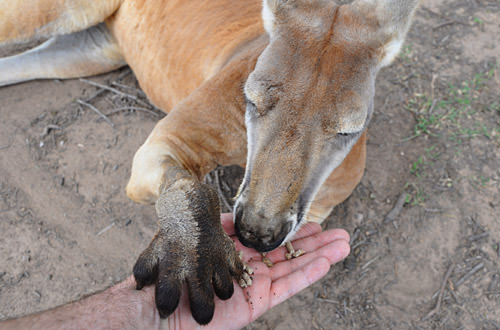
[(247, 235), (258, 230)]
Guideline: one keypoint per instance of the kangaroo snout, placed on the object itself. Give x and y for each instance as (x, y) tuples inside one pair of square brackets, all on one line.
[(258, 231)]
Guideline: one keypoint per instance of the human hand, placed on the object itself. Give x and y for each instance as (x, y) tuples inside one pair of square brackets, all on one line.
[(270, 287), (124, 307)]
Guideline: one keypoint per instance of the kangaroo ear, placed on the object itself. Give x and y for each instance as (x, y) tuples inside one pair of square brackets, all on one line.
[(384, 23)]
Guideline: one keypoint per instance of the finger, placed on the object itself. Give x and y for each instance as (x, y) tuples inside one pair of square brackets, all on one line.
[(245, 305), (308, 229), (129, 283), (310, 243), (291, 284), (223, 283), (167, 292), (227, 223), (146, 267), (201, 299), (333, 252)]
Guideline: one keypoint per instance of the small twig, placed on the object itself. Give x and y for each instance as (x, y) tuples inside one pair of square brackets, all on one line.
[(477, 237), (442, 41), (369, 262), (125, 73), (331, 301), (354, 236), (473, 258), (445, 24), (432, 12), (90, 106), (434, 102), (359, 244), (442, 16), (433, 210), (225, 185), (114, 83), (339, 313), (452, 292), (96, 94), (493, 284), (133, 109), (437, 308), (433, 81), (221, 194), (105, 229), (464, 278), (411, 137), (114, 90), (362, 276), (393, 214)]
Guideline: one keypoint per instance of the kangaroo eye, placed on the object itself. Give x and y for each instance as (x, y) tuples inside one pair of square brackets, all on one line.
[(254, 111), (347, 135), (250, 103)]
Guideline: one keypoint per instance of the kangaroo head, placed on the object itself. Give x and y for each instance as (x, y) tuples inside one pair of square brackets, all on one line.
[(309, 98)]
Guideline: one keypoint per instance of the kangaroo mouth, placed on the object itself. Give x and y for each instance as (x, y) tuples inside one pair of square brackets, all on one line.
[(259, 246), (259, 233)]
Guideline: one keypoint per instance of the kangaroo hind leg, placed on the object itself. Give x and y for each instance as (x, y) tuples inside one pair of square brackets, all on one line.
[(85, 53), (26, 20)]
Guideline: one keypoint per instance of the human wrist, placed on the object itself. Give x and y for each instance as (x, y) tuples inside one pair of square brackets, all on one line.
[(136, 307)]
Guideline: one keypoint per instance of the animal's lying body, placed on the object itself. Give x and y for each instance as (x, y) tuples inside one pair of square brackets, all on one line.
[(292, 104)]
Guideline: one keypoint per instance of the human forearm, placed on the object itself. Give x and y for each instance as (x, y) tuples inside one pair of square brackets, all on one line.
[(119, 307)]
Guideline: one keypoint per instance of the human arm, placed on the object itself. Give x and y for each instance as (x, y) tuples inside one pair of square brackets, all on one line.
[(124, 307)]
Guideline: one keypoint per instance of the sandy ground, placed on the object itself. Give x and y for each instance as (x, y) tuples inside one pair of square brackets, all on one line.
[(67, 228)]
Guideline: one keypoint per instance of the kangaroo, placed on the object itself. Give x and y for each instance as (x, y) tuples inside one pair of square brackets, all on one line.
[(283, 87)]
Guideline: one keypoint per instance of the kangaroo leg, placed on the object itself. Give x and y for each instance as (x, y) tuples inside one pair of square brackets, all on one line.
[(190, 246), (82, 53), (340, 184), (204, 130), (24, 20)]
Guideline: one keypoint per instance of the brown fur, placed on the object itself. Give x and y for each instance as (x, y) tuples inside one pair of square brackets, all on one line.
[(24, 20), (299, 97)]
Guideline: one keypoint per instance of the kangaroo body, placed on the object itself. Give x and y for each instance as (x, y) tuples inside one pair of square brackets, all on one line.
[(283, 87)]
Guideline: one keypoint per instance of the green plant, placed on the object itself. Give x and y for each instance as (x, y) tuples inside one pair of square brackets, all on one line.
[(432, 153), (477, 20), (416, 166), (479, 182), (405, 52), (453, 114), (415, 196)]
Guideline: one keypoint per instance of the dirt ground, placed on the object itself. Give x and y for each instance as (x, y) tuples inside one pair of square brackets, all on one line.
[(67, 228)]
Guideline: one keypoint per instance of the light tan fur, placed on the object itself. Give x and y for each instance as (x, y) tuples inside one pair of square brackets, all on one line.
[(194, 59), (23, 20), (284, 87)]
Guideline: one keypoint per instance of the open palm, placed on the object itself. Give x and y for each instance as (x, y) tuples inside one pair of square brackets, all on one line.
[(271, 286)]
